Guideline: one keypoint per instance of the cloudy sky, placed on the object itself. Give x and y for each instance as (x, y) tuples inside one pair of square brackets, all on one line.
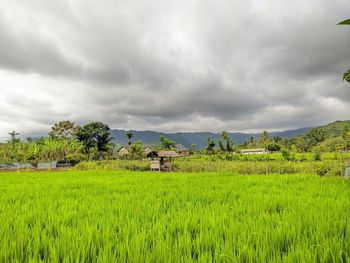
[(184, 65)]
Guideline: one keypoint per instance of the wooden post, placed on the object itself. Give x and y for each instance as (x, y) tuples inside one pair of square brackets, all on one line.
[(341, 165)]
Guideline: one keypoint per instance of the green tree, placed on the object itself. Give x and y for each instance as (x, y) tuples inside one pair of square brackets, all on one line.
[(316, 135), (273, 147), (48, 149), (293, 152), (95, 136), (317, 154), (63, 130), (265, 138), (286, 154), (129, 136), (137, 150), (346, 75), (210, 146), (301, 144), (333, 144), (104, 142), (13, 135), (166, 143), (346, 137), (228, 142), (14, 141), (221, 145), (252, 142), (277, 139)]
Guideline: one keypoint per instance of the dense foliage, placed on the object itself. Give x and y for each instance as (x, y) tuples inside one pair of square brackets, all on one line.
[(42, 150), (66, 143), (334, 137), (166, 143)]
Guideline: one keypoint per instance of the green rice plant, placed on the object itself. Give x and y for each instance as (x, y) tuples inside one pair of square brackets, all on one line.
[(323, 168), (119, 216)]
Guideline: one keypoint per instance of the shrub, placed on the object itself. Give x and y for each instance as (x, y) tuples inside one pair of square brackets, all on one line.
[(316, 154), (286, 154)]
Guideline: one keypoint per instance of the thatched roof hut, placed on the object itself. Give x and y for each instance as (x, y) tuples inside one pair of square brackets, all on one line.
[(164, 162), (168, 154)]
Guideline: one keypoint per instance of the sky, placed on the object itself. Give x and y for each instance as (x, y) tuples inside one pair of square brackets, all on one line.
[(184, 65)]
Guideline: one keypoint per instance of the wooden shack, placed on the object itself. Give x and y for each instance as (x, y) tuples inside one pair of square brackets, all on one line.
[(163, 161)]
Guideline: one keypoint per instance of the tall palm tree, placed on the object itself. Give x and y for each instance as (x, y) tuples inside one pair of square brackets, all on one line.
[(13, 135), (227, 139), (265, 138), (129, 135), (104, 142)]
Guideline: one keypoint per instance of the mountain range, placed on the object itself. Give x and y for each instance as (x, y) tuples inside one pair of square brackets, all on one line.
[(200, 139), (197, 138)]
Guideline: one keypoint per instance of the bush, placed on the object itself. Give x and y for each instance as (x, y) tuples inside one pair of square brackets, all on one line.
[(273, 147), (286, 154), (317, 154)]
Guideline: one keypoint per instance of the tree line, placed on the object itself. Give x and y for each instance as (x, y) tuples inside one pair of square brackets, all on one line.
[(67, 142), (316, 140)]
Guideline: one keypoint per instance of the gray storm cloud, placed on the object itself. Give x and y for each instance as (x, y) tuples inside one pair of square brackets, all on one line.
[(173, 65)]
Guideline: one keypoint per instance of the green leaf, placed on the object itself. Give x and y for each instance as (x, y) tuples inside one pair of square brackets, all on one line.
[(345, 22), (346, 76)]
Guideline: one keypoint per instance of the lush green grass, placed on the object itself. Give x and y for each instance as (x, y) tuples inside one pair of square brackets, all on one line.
[(323, 168), (110, 216)]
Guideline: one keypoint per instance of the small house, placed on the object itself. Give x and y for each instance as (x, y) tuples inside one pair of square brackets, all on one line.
[(182, 150), (254, 151), (148, 150), (151, 153), (123, 150)]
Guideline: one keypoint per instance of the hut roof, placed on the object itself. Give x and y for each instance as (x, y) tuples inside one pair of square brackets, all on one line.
[(180, 147), (148, 150), (125, 147), (168, 154)]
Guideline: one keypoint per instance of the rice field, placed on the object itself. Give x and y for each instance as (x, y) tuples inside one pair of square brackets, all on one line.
[(119, 216), (187, 165)]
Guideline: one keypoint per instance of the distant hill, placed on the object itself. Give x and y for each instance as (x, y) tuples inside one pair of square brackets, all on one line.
[(197, 138), (336, 128)]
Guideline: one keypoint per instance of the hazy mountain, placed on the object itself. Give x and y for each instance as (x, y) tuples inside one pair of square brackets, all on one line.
[(197, 138), (333, 129)]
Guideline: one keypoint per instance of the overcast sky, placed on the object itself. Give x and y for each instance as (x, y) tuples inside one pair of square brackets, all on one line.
[(184, 65)]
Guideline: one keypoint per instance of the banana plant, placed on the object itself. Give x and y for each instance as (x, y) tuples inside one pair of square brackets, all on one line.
[(346, 76)]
